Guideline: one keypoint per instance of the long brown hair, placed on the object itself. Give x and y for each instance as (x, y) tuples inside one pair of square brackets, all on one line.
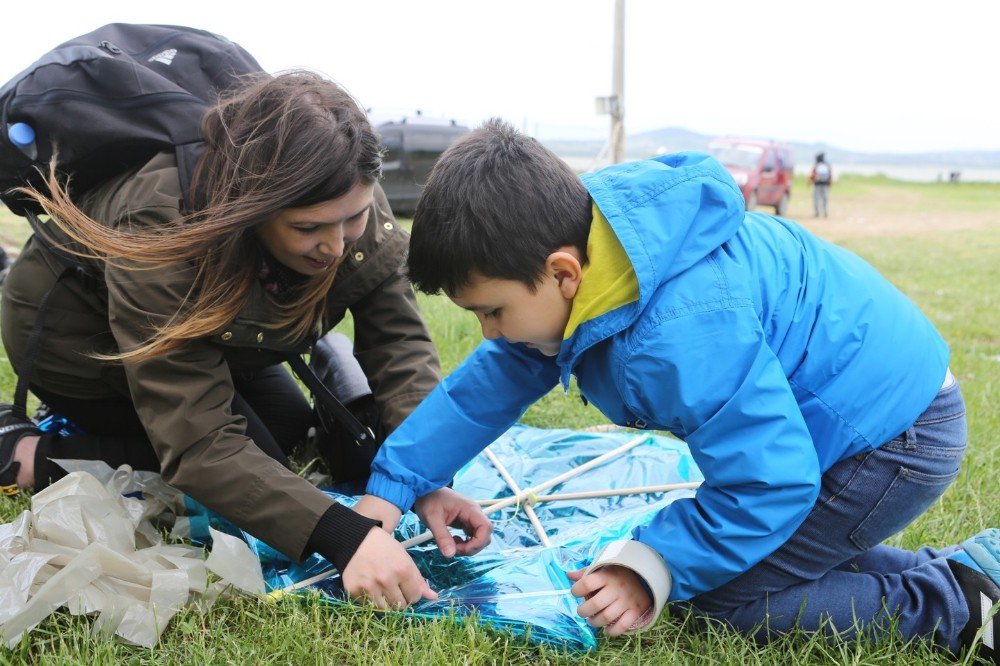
[(285, 141)]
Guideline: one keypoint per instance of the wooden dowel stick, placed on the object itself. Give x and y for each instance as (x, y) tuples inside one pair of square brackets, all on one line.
[(493, 508), (528, 509), (594, 494), (329, 573), (524, 494)]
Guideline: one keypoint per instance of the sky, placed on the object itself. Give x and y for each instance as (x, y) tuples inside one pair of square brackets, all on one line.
[(873, 76)]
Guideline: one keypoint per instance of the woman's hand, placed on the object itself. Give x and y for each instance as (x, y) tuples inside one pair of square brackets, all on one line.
[(445, 507), (382, 572), (614, 598)]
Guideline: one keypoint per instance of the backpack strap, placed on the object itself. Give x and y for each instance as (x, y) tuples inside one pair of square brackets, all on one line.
[(20, 406), (71, 264), (188, 155), (362, 434)]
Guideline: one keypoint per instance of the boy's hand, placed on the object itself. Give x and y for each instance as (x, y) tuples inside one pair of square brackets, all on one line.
[(615, 598), (445, 507), (377, 508), (383, 572)]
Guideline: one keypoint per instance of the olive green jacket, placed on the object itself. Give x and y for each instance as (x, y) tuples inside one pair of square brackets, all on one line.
[(184, 397)]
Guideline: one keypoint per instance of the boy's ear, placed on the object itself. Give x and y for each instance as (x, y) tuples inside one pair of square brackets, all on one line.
[(564, 265)]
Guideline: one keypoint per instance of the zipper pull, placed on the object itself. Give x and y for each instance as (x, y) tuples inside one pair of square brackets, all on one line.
[(110, 48)]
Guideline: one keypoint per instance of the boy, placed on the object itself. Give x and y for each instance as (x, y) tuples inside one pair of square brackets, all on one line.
[(815, 397)]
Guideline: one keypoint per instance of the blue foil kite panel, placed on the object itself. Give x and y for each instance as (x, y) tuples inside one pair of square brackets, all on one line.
[(515, 583)]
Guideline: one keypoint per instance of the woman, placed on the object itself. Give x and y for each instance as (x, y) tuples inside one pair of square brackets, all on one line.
[(173, 362)]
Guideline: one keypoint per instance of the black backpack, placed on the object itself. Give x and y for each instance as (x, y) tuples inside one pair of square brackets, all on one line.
[(110, 100)]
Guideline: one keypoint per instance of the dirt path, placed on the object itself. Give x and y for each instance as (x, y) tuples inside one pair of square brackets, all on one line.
[(883, 211)]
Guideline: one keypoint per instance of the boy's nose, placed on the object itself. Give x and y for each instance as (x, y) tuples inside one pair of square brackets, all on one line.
[(490, 331)]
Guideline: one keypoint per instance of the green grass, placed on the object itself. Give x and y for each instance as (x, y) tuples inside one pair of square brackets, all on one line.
[(953, 276)]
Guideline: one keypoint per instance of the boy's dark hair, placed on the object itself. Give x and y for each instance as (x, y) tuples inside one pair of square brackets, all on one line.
[(496, 204)]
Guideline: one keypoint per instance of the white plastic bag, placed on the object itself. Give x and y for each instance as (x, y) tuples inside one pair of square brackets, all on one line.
[(85, 547)]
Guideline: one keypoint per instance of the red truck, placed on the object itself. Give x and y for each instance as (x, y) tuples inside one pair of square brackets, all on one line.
[(763, 170)]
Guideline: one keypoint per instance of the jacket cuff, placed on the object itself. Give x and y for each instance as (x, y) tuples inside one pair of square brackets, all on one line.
[(398, 493), (646, 563), (339, 533)]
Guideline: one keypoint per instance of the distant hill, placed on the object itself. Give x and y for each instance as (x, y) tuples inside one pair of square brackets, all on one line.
[(673, 139)]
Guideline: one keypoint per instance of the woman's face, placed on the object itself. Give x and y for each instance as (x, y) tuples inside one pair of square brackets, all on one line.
[(312, 239)]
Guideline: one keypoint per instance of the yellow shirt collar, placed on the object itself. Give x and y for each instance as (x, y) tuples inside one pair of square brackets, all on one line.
[(608, 281)]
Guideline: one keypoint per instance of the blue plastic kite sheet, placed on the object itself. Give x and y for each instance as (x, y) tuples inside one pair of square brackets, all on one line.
[(515, 583)]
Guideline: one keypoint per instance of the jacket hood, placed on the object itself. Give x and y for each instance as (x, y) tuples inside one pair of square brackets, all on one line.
[(668, 213)]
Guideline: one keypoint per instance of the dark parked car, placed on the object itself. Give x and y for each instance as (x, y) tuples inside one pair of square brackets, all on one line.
[(412, 146), (762, 169)]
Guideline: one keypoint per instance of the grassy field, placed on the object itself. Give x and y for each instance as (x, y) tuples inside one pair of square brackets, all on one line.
[(940, 243)]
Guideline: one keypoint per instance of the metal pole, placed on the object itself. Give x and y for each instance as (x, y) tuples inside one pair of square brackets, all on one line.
[(618, 86)]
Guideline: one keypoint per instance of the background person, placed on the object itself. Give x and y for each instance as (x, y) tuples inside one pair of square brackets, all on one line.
[(820, 178)]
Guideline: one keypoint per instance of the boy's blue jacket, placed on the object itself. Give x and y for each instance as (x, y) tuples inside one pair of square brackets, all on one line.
[(772, 353)]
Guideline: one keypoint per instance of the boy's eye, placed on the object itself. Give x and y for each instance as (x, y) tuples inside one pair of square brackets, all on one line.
[(491, 313), (307, 228)]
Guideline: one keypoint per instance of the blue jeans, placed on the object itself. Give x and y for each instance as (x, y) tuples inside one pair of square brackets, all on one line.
[(821, 196), (833, 575)]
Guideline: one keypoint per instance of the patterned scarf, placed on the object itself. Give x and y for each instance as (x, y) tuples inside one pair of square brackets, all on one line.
[(278, 280)]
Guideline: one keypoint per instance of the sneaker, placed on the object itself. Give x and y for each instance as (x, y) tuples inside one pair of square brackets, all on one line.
[(977, 569), (12, 429)]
